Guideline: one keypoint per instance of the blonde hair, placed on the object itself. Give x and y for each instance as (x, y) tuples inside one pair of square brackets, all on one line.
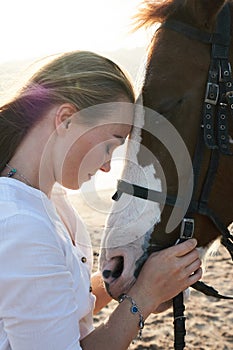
[(82, 78)]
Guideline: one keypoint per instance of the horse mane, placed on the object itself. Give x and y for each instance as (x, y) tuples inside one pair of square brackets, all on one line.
[(158, 11), (155, 12)]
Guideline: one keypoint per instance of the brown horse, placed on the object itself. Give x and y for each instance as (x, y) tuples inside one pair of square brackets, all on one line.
[(179, 154)]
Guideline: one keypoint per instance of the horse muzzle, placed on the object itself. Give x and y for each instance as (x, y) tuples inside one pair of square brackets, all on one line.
[(118, 275)]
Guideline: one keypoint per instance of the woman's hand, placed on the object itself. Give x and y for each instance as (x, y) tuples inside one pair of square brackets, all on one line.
[(165, 274)]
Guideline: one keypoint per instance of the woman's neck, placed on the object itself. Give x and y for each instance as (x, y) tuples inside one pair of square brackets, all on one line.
[(32, 160)]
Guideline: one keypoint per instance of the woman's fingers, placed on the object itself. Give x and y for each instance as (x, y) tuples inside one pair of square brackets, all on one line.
[(185, 247), (170, 271), (194, 266), (195, 277), (189, 262)]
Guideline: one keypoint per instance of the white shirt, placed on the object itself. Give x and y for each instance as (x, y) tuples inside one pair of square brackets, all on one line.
[(45, 299)]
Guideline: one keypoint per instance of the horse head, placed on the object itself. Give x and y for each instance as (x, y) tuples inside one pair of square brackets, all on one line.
[(163, 144)]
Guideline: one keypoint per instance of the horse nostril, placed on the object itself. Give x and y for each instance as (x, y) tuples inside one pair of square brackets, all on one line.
[(113, 268), (119, 268), (107, 273)]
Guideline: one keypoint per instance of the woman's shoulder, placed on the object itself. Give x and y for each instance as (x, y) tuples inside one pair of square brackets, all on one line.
[(18, 199), (27, 215)]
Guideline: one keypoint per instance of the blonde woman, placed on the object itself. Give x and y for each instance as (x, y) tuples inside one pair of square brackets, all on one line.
[(61, 128)]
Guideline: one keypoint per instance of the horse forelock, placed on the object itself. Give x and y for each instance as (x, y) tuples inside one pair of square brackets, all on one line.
[(199, 11), (155, 12)]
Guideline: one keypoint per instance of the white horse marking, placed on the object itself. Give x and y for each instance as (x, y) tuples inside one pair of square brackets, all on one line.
[(132, 219)]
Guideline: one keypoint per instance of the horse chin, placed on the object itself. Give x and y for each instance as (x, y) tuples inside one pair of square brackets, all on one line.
[(117, 279), (119, 286)]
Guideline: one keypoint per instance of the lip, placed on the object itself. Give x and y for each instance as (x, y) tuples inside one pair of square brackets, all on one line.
[(119, 286)]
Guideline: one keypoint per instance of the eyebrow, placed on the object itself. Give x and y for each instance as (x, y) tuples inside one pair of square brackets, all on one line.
[(120, 138)]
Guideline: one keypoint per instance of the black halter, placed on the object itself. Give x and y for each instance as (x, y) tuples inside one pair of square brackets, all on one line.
[(217, 112), (219, 93)]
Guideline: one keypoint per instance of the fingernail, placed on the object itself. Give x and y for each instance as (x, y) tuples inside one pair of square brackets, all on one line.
[(194, 241)]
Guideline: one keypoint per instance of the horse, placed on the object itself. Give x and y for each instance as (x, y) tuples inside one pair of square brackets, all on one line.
[(177, 179)]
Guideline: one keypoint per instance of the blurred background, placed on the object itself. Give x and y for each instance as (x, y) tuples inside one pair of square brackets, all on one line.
[(33, 31)]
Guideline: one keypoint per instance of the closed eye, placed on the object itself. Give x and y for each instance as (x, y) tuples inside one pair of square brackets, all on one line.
[(108, 149), (166, 106), (120, 138)]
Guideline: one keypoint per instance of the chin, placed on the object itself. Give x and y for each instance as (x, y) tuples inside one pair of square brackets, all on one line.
[(71, 186)]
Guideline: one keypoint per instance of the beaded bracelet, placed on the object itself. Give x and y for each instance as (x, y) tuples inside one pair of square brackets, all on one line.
[(134, 310)]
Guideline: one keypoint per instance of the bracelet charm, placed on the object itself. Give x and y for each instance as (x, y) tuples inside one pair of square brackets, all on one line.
[(134, 310)]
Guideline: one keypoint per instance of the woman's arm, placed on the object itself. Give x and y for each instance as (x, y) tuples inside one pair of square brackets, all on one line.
[(164, 275), (103, 298), (98, 289)]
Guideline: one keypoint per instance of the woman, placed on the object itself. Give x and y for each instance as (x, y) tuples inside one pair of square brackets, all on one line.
[(61, 128)]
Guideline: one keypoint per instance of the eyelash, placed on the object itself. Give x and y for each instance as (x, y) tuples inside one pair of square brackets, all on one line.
[(108, 147), (111, 146)]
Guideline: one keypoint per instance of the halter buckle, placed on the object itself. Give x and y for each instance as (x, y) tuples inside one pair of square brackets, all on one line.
[(212, 93), (187, 228)]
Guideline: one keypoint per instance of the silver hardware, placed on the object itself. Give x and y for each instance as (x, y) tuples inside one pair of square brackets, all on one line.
[(212, 93), (229, 94), (187, 228)]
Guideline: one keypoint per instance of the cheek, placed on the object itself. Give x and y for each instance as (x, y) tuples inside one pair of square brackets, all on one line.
[(71, 162), (93, 158), (74, 168)]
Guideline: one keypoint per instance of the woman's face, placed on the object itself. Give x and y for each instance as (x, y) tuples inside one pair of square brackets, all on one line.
[(92, 150)]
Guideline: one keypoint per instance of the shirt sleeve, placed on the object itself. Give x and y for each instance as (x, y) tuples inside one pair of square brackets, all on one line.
[(38, 304)]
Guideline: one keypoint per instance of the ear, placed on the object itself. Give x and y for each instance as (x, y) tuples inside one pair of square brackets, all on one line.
[(64, 115), (212, 7)]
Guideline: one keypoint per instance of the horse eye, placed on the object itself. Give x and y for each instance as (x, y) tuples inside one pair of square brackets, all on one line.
[(169, 105)]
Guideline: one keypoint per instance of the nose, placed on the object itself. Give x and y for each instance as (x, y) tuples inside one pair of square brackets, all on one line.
[(113, 269), (107, 273), (106, 167)]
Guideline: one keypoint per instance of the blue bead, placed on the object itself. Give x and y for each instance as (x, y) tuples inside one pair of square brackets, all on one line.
[(134, 309)]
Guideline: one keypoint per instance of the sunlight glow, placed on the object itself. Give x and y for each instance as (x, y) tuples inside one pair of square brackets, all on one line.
[(37, 28), (31, 30)]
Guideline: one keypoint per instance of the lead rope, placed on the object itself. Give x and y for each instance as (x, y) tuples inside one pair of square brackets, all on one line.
[(179, 322), (186, 232)]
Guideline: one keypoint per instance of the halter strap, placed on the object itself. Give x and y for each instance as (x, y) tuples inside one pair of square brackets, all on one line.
[(218, 103), (196, 34), (142, 192)]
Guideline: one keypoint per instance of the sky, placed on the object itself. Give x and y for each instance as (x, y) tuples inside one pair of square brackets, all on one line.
[(32, 28)]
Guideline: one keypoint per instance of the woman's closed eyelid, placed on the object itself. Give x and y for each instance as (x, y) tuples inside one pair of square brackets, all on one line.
[(108, 147), (118, 141)]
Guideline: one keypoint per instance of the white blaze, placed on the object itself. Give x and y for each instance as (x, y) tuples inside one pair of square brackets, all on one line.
[(131, 217)]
